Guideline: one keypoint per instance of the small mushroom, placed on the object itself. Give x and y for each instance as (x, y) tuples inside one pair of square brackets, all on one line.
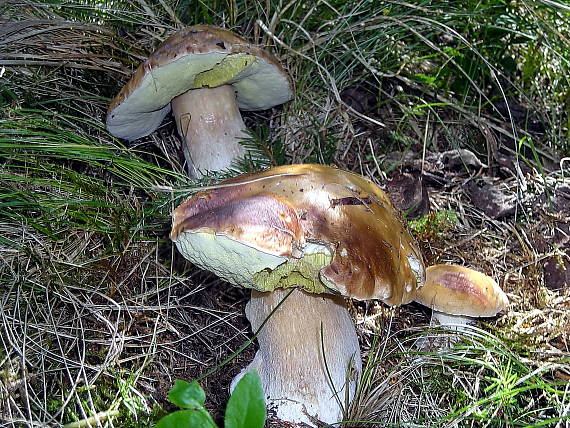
[(329, 233), (457, 296), (458, 290), (205, 75)]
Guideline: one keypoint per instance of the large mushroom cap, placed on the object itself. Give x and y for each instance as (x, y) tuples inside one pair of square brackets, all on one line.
[(310, 225), (196, 57)]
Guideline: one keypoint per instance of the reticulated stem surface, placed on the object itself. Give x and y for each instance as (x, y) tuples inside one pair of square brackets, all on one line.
[(291, 362), (210, 124)]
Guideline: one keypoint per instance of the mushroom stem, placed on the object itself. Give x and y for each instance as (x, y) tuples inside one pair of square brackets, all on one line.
[(209, 121), (308, 358)]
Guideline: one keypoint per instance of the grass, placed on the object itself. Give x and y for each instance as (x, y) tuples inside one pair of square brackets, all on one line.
[(479, 380), (100, 315)]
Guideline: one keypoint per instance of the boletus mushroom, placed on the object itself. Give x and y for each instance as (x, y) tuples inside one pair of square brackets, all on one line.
[(205, 75), (330, 234)]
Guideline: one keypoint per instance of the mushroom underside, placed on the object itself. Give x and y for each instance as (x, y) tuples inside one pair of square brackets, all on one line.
[(192, 65)]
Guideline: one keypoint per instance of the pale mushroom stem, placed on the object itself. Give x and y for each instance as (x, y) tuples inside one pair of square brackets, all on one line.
[(296, 380), (209, 122)]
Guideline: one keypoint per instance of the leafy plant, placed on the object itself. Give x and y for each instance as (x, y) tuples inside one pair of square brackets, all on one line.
[(245, 408)]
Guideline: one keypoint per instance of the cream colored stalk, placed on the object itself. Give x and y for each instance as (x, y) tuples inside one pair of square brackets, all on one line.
[(210, 124), (308, 358)]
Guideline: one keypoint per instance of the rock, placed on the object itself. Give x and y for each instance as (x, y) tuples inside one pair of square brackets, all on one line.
[(460, 159), (490, 199), (409, 194), (359, 98), (557, 271)]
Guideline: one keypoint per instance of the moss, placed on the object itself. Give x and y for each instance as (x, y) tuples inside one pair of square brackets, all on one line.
[(433, 225), (118, 392)]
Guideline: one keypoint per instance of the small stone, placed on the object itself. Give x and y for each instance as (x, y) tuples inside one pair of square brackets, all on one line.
[(491, 199), (557, 272)]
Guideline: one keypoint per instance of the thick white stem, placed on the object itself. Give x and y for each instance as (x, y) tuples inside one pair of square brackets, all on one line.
[(301, 381), (209, 122)]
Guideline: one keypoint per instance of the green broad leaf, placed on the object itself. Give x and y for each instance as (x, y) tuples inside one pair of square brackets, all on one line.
[(187, 395), (187, 419), (246, 407)]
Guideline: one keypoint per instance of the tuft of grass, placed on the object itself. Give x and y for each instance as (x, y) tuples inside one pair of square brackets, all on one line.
[(478, 380), (56, 176)]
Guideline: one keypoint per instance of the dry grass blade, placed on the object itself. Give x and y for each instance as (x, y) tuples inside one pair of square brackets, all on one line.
[(48, 42)]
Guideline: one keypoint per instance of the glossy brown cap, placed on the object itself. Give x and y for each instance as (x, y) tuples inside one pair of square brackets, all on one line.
[(281, 209), (459, 290), (173, 67)]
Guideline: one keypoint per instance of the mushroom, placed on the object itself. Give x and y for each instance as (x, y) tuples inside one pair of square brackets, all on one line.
[(457, 295), (205, 75), (331, 234)]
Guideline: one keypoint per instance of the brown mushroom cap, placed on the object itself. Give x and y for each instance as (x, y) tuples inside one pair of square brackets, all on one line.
[(198, 56), (459, 290), (282, 210)]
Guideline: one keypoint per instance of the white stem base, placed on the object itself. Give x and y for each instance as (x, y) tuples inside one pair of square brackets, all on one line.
[(452, 322), (298, 385), (209, 122), (455, 324)]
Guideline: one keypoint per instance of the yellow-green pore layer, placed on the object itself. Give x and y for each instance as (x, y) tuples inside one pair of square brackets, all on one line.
[(303, 272), (224, 72)]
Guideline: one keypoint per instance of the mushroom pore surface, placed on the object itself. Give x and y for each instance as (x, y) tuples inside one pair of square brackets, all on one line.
[(196, 57)]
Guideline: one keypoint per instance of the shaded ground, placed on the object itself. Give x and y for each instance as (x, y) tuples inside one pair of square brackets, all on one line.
[(183, 322), (520, 241)]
